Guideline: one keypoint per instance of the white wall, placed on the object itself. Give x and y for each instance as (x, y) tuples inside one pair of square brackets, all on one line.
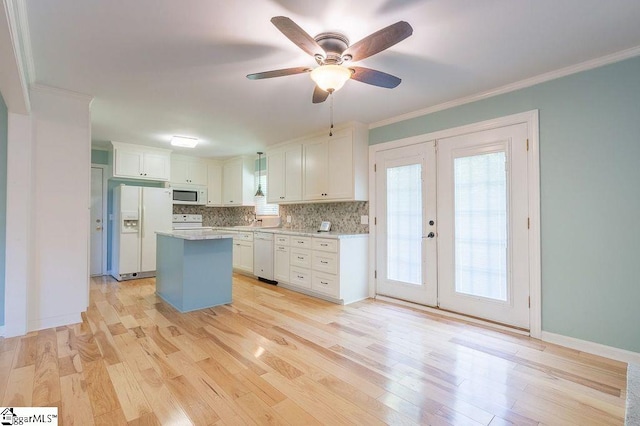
[(19, 239), (61, 159)]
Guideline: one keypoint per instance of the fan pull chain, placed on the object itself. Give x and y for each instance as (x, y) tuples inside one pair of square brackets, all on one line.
[(331, 113)]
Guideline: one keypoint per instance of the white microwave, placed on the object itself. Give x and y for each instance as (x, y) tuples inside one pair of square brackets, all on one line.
[(190, 195)]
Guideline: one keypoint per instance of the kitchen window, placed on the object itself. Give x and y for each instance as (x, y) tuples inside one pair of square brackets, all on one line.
[(262, 207)]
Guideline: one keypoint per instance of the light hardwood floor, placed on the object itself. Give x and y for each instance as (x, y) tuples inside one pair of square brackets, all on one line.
[(278, 357)]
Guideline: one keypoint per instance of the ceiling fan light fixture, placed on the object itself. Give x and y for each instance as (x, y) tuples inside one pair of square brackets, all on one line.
[(330, 78), (184, 141)]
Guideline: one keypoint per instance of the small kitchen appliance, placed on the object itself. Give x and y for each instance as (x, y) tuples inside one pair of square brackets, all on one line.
[(325, 226)]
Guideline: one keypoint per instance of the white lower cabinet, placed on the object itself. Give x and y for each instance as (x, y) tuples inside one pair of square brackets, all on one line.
[(281, 263), (325, 283), (325, 262), (300, 277), (333, 269), (243, 252), (300, 258)]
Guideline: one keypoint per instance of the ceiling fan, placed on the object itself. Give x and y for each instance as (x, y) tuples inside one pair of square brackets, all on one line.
[(332, 51)]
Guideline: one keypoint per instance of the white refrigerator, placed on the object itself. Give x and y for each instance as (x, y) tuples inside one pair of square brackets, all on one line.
[(138, 212)]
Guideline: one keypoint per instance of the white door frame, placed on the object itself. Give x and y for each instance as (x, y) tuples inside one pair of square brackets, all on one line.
[(105, 221), (531, 119)]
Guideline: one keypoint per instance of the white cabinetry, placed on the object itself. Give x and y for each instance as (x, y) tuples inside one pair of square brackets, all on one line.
[(188, 170), (243, 252), (335, 167), (281, 261), (333, 269), (214, 183), (284, 174), (238, 182), (140, 162)]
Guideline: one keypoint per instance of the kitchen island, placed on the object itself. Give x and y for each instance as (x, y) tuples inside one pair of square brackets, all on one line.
[(194, 268)]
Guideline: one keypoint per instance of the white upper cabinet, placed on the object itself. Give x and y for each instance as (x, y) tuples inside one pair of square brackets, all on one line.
[(188, 170), (238, 182), (214, 183), (284, 174), (335, 167), (141, 162)]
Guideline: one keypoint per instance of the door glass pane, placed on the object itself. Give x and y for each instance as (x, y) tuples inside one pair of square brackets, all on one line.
[(404, 224), (480, 183)]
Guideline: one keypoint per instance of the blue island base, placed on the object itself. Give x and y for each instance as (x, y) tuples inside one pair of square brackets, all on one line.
[(194, 274)]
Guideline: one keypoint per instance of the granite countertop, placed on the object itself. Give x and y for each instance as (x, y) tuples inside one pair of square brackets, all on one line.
[(196, 234), (297, 232)]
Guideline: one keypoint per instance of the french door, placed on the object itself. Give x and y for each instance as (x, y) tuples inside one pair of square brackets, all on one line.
[(452, 227), (483, 230), (406, 244)]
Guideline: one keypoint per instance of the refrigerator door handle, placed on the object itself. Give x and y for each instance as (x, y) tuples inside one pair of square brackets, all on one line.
[(142, 221)]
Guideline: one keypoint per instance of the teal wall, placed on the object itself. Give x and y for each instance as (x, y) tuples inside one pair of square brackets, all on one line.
[(99, 157), (590, 195), (3, 200)]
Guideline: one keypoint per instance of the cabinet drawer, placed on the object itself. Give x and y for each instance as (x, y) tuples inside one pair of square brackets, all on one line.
[(303, 242), (281, 248), (325, 262), (300, 277), (300, 257), (244, 236), (325, 244), (282, 240), (325, 283)]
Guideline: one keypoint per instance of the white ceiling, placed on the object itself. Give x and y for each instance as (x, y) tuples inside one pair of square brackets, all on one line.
[(159, 68)]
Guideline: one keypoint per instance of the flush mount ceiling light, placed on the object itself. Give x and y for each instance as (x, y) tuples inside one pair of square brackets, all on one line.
[(330, 78), (184, 141)]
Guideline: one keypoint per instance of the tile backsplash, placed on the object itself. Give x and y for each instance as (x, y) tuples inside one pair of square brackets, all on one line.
[(218, 216), (344, 216)]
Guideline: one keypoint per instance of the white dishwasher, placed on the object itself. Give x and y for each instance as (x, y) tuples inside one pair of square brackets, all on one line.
[(263, 256)]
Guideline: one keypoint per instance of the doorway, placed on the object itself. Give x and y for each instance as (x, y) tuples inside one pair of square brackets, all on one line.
[(453, 221), (97, 229)]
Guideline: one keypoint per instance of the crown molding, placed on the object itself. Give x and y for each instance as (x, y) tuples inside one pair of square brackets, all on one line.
[(552, 75), (51, 90), (11, 13), (21, 22)]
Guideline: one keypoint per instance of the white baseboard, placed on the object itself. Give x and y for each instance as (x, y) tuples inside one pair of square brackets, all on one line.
[(592, 348), (42, 323), (310, 293), (2, 331), (558, 339)]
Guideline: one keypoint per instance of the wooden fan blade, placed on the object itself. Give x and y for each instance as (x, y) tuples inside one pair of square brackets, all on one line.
[(297, 35), (319, 95), (278, 73), (375, 78), (379, 41)]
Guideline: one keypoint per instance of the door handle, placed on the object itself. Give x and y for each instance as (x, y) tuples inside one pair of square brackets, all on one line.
[(431, 235)]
